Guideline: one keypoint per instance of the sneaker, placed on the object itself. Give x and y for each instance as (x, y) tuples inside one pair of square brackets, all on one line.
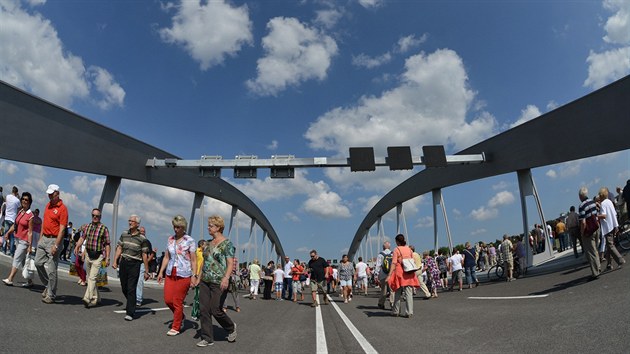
[(232, 336), (7, 282), (314, 304), (138, 303), (171, 332), (48, 300), (28, 284), (128, 318), (204, 343), (345, 301), (45, 293)]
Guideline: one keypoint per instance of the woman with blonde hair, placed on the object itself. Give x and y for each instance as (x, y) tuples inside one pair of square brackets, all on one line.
[(180, 264), (254, 279), (218, 262)]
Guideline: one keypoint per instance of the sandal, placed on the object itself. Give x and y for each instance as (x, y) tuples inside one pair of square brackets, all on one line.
[(7, 282), (238, 309)]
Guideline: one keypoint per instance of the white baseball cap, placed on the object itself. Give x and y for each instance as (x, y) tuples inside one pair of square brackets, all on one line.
[(52, 188)]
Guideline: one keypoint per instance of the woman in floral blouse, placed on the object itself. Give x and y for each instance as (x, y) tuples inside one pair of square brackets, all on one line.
[(180, 264), (218, 255)]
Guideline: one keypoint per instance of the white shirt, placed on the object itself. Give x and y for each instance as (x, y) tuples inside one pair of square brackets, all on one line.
[(610, 222), (361, 269), (287, 270), (13, 204), (379, 264), (456, 262), (335, 273), (278, 274)]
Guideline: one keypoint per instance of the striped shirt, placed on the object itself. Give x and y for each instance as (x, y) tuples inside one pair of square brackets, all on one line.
[(133, 246), (587, 208), (96, 236)]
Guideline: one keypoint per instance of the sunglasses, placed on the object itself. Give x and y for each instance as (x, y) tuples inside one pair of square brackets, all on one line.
[(95, 216)]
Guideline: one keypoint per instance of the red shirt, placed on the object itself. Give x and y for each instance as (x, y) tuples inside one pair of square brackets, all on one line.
[(295, 270), (55, 217), (21, 224)]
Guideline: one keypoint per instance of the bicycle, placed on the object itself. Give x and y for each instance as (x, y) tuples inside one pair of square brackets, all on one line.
[(499, 270), (623, 237)]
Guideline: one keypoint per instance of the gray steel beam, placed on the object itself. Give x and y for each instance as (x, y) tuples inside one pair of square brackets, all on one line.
[(590, 126), (103, 151)]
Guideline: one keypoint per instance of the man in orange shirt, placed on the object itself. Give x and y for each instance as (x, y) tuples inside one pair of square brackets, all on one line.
[(53, 227)]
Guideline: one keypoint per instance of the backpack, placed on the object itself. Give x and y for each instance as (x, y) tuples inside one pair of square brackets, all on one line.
[(387, 262)]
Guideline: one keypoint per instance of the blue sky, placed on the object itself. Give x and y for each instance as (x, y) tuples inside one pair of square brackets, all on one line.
[(312, 78)]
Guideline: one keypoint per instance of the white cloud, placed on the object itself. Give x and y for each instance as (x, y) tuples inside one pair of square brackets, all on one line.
[(408, 42), (289, 216), (209, 31), (302, 250), (321, 201), (618, 25), (33, 58), (551, 174), (482, 213), (478, 232), (607, 66), (501, 198), (273, 145), (551, 105), (326, 204), (457, 212), (430, 105), (294, 53), (328, 18), (8, 167), (614, 63), (80, 184), (365, 61), (500, 185), (530, 112), (112, 94), (425, 222), (371, 3)]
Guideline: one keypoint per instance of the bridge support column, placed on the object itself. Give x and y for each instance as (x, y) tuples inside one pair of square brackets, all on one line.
[(438, 199), (527, 187), (111, 195)]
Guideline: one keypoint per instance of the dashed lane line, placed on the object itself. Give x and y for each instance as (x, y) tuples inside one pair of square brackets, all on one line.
[(147, 310)]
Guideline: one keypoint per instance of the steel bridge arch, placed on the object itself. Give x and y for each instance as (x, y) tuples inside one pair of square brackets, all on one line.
[(593, 125), (104, 151)]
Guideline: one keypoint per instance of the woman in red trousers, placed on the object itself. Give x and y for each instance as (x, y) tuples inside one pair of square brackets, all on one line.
[(180, 264)]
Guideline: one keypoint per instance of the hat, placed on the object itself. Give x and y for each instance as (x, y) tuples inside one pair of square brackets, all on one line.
[(52, 188)]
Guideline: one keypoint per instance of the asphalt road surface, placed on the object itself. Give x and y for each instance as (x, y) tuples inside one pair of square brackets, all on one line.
[(554, 309)]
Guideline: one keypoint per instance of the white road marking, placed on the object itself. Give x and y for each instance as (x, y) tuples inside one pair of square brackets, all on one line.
[(320, 338), (367, 347), (507, 297), (148, 310)]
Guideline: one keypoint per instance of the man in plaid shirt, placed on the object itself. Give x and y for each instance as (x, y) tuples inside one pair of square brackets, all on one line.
[(96, 238)]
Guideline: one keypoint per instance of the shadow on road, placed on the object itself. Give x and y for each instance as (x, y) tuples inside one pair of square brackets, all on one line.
[(564, 286)]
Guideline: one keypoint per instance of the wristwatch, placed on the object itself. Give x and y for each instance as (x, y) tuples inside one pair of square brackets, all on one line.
[(195, 275)]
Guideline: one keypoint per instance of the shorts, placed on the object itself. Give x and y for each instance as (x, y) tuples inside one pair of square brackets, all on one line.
[(443, 274), (346, 282), (458, 274), (361, 281), (318, 284), (278, 287), (509, 264), (297, 286)]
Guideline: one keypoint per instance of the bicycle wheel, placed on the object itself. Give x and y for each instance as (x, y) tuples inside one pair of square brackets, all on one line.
[(624, 240), (500, 272)]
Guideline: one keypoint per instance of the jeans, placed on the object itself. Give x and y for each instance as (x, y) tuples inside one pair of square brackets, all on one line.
[(9, 244), (210, 306), (140, 285), (471, 277), (129, 272), (287, 289), (44, 257)]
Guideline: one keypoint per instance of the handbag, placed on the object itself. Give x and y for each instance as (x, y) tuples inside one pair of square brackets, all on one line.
[(591, 225), (101, 277), (28, 272), (409, 264)]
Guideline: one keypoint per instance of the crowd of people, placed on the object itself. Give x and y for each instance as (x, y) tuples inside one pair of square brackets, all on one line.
[(212, 269)]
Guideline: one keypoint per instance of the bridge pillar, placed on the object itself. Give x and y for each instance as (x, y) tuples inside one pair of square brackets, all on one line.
[(438, 199), (527, 187)]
